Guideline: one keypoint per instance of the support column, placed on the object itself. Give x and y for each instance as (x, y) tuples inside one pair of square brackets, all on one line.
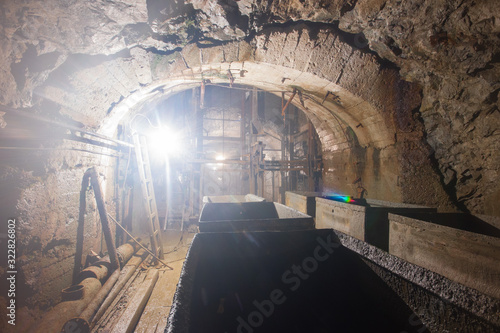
[(197, 179), (310, 157), (253, 140)]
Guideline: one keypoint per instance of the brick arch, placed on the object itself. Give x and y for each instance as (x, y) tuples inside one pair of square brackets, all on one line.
[(331, 118), (362, 96), (317, 62)]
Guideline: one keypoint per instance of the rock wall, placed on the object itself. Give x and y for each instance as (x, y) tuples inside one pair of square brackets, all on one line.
[(425, 74), (45, 203), (452, 49), (449, 48)]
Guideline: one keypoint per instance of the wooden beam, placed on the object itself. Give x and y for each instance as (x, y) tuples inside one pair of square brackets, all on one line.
[(155, 315), (207, 161), (222, 138), (132, 313)]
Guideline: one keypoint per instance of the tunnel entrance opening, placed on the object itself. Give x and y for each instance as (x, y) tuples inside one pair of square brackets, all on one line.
[(228, 140)]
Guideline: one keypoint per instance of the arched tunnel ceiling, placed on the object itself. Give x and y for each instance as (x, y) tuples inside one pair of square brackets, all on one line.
[(108, 53), (346, 110)]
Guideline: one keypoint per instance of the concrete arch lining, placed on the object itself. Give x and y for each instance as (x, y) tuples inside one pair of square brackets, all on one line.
[(341, 110)]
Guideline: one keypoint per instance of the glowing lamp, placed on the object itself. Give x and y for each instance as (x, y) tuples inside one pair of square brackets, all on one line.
[(164, 142)]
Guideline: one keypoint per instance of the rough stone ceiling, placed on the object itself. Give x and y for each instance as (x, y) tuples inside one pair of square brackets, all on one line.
[(90, 61)]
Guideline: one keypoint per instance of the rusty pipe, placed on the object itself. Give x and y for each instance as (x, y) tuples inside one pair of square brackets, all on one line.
[(126, 273), (81, 323), (94, 305), (91, 175), (96, 308), (55, 319), (100, 269), (88, 286), (126, 251), (101, 207)]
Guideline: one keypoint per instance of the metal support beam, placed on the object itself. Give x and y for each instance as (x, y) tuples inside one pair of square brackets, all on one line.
[(288, 103), (101, 207)]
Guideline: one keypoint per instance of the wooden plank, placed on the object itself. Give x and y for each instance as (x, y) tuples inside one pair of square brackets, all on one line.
[(132, 313), (115, 310), (222, 138), (123, 280), (207, 161), (155, 315)]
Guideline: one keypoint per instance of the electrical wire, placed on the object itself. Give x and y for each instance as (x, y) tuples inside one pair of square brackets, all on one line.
[(130, 123), (138, 243)]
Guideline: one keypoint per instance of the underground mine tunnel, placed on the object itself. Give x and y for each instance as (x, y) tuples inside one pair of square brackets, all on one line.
[(249, 166)]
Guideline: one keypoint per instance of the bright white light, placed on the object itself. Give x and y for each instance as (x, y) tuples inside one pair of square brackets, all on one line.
[(214, 166), (220, 158), (164, 142)]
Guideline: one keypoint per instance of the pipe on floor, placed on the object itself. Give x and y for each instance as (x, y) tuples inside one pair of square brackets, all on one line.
[(55, 319), (89, 284), (94, 310), (81, 323), (126, 274), (126, 251), (101, 269)]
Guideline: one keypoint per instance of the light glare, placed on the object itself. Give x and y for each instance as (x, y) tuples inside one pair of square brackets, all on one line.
[(340, 197), (164, 142)]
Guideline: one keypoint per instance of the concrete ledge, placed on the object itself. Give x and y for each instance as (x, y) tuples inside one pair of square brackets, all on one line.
[(366, 220), (466, 257), (304, 202)]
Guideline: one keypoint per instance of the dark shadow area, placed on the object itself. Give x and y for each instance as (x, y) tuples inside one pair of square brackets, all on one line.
[(32, 63), (283, 282)]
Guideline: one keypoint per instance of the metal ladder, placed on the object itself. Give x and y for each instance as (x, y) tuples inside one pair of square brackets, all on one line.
[(142, 155)]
